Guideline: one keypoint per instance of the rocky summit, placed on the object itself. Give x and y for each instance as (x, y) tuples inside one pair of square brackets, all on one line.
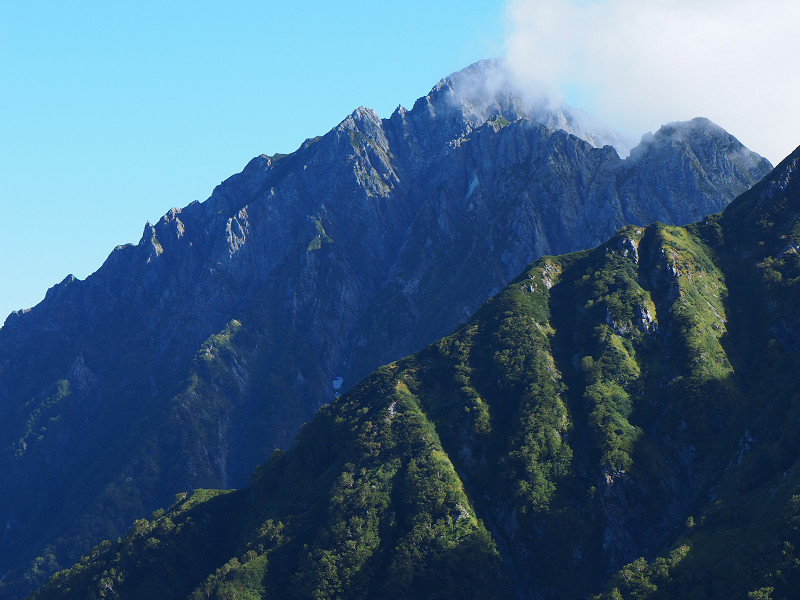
[(186, 359)]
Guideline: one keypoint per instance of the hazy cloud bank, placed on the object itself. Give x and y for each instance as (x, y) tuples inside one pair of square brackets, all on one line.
[(636, 65)]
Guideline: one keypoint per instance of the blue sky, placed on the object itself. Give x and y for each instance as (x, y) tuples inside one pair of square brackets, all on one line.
[(112, 113)]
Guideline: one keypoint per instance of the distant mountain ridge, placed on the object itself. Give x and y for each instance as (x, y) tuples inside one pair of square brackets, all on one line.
[(187, 358), (617, 423)]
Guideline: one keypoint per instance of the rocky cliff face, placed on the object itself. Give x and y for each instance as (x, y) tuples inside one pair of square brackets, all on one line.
[(187, 358), (619, 421)]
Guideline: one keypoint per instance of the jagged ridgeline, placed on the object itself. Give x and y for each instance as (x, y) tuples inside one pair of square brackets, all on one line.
[(619, 421), (187, 358)]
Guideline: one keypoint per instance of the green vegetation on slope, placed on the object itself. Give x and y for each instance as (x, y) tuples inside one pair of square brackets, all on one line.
[(744, 542), (366, 504)]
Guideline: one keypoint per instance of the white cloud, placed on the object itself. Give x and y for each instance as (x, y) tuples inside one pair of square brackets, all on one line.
[(638, 64)]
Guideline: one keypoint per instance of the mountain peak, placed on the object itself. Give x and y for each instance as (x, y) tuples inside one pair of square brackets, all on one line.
[(361, 118), (691, 128), (480, 80), (489, 88), (701, 137)]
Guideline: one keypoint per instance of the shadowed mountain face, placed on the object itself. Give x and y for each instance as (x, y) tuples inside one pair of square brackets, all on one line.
[(187, 358), (619, 421)]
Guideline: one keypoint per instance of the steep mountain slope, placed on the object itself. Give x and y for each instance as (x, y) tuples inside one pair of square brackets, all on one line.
[(187, 358), (635, 400)]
